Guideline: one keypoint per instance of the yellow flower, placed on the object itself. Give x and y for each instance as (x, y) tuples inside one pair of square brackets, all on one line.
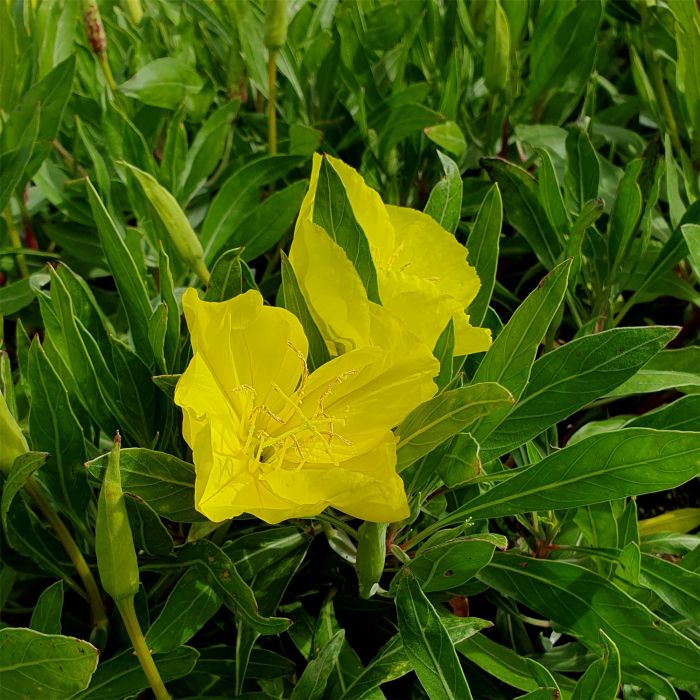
[(423, 275), (12, 441), (272, 440)]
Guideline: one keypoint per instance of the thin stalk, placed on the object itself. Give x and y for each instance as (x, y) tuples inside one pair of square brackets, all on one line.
[(16, 242), (97, 608), (272, 96), (107, 72), (143, 653)]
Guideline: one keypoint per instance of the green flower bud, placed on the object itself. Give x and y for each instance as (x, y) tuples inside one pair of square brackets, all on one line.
[(12, 441), (175, 222), (275, 23), (371, 554), (114, 543)]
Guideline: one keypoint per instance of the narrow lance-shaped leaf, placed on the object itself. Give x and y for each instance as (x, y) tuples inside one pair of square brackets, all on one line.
[(600, 468), (583, 602), (509, 360), (129, 281), (313, 681), (482, 247), (445, 201), (333, 212), (427, 643), (523, 210), (566, 379), (601, 681), (445, 415)]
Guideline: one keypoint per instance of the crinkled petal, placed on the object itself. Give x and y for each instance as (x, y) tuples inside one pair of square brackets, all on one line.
[(425, 250), (248, 349), (366, 392), (366, 486)]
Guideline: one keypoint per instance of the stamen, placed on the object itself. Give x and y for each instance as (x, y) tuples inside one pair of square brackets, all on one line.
[(321, 411)]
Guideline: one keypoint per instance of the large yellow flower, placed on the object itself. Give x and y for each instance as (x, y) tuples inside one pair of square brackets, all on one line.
[(271, 440), (423, 275)]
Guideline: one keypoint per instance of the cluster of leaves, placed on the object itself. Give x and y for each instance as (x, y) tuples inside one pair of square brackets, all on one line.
[(569, 137)]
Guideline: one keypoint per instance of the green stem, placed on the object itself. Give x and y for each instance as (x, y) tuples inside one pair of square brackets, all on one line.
[(143, 653), (271, 108), (97, 608), (16, 242), (107, 72)]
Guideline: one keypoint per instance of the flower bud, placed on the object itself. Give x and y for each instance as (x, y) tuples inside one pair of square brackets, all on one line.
[(371, 554), (175, 222), (275, 23), (12, 441), (114, 543), (94, 28)]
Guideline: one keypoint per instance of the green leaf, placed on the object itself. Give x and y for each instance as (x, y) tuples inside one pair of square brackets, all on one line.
[(333, 212), (563, 54), (313, 681), (675, 585), (669, 369), (16, 295), (603, 467), (22, 469), (550, 194), (226, 279), (601, 681), (189, 606), (206, 150), (691, 234), (448, 564), (265, 225), (165, 82), (522, 209), (460, 462), (129, 281), (625, 215), (582, 170), (444, 353), (165, 482), (224, 578), (483, 245), (582, 603), (445, 415), (510, 358), (445, 201), (237, 197), (14, 162), (121, 676), (506, 665), (148, 531), (43, 665), (257, 551), (52, 93), (427, 643), (392, 662), (55, 429), (448, 136), (294, 301), (571, 376), (682, 414), (46, 616)]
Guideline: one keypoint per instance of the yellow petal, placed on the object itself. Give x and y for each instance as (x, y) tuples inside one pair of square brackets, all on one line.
[(366, 486), (427, 251), (331, 287), (366, 392), (248, 348), (469, 339)]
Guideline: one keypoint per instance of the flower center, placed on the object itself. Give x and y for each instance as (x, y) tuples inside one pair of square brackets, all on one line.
[(291, 438)]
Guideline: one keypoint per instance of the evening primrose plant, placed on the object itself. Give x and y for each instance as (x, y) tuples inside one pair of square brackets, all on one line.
[(349, 350)]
